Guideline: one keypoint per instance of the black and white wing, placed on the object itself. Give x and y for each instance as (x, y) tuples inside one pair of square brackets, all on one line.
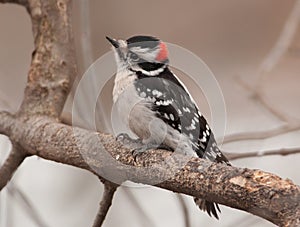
[(173, 104)]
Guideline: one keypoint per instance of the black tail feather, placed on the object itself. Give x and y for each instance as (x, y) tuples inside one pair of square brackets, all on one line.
[(210, 207)]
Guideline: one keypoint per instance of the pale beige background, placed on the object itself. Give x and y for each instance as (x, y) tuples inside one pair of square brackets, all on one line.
[(231, 36)]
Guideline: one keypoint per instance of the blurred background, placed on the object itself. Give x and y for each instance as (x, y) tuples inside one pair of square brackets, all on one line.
[(253, 49)]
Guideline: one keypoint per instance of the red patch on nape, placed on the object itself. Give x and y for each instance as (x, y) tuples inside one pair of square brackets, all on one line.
[(163, 52)]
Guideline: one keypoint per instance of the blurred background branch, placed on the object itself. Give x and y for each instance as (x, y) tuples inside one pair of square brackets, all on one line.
[(185, 210), (282, 45), (283, 152), (260, 135), (27, 205)]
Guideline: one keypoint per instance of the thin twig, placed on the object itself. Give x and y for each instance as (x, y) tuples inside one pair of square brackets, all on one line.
[(141, 214), (271, 60), (279, 49), (185, 211), (109, 191), (16, 193), (13, 161), (260, 135), (283, 152), (257, 95), (271, 108), (284, 41)]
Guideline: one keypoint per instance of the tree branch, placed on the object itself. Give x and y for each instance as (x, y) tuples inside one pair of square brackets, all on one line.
[(254, 191), (52, 71), (13, 161), (109, 191), (53, 66)]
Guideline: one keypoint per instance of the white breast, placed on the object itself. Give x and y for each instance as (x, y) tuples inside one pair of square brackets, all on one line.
[(125, 96), (124, 79)]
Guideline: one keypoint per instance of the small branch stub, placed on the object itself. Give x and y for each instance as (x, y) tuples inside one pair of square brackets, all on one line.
[(109, 191)]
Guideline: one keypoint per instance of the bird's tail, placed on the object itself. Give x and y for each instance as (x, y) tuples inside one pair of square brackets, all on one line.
[(209, 207)]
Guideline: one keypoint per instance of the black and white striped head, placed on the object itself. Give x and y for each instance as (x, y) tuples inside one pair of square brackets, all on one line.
[(140, 53)]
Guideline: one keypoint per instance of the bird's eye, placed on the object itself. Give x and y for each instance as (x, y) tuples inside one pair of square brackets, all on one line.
[(134, 57)]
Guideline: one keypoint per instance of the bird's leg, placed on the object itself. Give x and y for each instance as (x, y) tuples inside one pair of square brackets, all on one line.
[(129, 142), (137, 145)]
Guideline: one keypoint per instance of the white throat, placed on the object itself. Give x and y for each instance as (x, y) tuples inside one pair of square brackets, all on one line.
[(149, 73)]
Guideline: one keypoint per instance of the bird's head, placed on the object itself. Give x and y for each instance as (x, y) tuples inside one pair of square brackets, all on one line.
[(137, 53)]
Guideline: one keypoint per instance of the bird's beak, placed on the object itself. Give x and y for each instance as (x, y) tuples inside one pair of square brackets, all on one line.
[(113, 42)]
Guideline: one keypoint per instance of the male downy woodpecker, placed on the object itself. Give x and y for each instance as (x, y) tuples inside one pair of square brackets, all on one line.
[(158, 107)]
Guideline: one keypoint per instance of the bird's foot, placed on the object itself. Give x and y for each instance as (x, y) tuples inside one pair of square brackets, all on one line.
[(146, 147), (137, 145)]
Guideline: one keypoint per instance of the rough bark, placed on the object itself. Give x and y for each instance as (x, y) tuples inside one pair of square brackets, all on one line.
[(257, 192), (13, 161), (53, 65)]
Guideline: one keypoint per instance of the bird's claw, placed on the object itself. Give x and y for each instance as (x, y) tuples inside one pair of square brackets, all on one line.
[(138, 151), (137, 146), (128, 142)]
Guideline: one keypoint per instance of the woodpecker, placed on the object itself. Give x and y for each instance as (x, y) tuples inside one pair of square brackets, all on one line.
[(157, 106)]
